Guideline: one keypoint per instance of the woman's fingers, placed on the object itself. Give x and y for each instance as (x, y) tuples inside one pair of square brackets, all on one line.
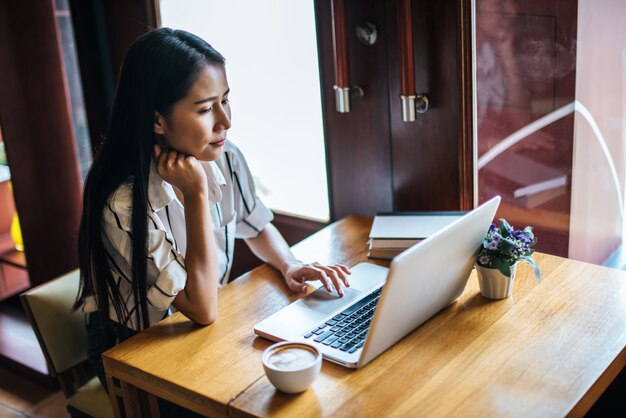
[(296, 285), (165, 158), (334, 277), (330, 276), (344, 268), (180, 170), (342, 272), (170, 160), (173, 159), (323, 277), (313, 272)]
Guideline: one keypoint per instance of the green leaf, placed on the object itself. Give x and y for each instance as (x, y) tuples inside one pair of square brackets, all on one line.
[(503, 266), (507, 245), (528, 231), (532, 262), (505, 228)]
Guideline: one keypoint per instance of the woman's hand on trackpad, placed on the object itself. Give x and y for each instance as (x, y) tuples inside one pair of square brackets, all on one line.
[(331, 276)]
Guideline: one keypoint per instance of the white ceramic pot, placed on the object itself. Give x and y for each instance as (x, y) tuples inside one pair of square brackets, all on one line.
[(493, 284)]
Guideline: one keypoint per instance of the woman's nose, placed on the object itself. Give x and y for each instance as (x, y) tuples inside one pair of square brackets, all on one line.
[(223, 121)]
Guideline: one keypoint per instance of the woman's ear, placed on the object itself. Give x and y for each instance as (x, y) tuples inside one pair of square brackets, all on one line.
[(159, 123)]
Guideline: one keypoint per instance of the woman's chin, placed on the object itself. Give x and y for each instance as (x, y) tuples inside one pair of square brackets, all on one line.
[(210, 155)]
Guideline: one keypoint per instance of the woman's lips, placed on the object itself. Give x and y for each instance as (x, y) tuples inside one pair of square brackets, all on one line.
[(219, 143)]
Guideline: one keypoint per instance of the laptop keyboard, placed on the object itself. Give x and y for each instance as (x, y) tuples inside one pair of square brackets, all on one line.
[(347, 330)]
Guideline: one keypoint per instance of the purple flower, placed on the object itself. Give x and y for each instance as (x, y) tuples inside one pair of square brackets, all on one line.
[(504, 245), (519, 235)]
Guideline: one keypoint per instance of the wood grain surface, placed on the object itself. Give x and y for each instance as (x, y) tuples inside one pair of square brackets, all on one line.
[(550, 349)]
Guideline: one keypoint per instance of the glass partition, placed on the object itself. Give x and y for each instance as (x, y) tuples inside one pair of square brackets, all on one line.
[(550, 97)]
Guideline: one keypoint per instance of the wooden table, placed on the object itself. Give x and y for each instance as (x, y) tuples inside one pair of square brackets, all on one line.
[(551, 349)]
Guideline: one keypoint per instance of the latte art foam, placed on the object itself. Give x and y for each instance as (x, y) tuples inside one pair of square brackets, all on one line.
[(291, 358)]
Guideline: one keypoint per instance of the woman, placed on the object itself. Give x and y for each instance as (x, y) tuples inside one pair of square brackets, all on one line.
[(166, 196)]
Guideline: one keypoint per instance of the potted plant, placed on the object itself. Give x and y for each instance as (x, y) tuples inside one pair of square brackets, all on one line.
[(501, 250)]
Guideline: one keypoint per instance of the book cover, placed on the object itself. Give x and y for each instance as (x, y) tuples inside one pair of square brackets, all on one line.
[(384, 253), (394, 232), (392, 243), (411, 225)]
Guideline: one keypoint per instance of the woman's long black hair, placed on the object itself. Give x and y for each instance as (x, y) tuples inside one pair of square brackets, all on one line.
[(158, 70)]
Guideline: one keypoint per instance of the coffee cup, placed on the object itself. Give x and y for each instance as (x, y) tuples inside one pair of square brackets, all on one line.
[(292, 366)]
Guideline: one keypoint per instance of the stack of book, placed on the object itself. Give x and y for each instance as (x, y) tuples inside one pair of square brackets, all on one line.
[(394, 232)]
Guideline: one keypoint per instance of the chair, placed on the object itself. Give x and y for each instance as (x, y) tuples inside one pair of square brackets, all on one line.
[(63, 338)]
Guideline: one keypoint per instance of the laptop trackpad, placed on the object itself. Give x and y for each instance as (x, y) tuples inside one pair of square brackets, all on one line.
[(325, 302)]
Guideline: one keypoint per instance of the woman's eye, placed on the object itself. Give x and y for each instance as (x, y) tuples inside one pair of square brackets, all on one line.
[(210, 109)]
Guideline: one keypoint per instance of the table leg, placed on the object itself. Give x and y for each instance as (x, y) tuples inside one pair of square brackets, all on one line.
[(129, 401)]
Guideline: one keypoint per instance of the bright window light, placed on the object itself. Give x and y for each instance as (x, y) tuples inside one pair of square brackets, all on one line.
[(272, 66)]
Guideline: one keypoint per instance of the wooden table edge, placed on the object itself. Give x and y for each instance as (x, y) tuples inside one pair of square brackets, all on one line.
[(144, 381), (596, 390)]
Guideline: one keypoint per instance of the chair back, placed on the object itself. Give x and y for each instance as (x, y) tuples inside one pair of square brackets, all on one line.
[(63, 339), (61, 332)]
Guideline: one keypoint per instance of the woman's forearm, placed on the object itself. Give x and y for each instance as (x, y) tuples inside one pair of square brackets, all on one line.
[(198, 300), (271, 248)]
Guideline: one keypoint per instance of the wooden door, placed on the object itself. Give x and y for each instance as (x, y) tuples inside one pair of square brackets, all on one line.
[(376, 161), (432, 156)]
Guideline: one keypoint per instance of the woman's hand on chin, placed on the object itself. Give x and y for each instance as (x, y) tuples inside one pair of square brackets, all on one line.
[(181, 171)]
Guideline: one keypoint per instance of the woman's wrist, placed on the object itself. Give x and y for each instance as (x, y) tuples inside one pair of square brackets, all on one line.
[(288, 265), (201, 194)]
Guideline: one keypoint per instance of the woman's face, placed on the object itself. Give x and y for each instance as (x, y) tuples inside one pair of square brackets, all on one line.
[(198, 123)]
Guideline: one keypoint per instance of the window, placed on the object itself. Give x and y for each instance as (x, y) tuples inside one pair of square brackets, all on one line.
[(272, 66), (74, 86)]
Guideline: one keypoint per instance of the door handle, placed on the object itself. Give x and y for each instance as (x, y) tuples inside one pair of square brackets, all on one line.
[(411, 103), (344, 92)]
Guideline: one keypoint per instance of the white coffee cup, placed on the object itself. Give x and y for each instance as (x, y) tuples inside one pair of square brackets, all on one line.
[(292, 366)]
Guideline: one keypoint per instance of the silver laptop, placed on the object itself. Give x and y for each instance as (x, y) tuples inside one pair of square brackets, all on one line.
[(383, 305)]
